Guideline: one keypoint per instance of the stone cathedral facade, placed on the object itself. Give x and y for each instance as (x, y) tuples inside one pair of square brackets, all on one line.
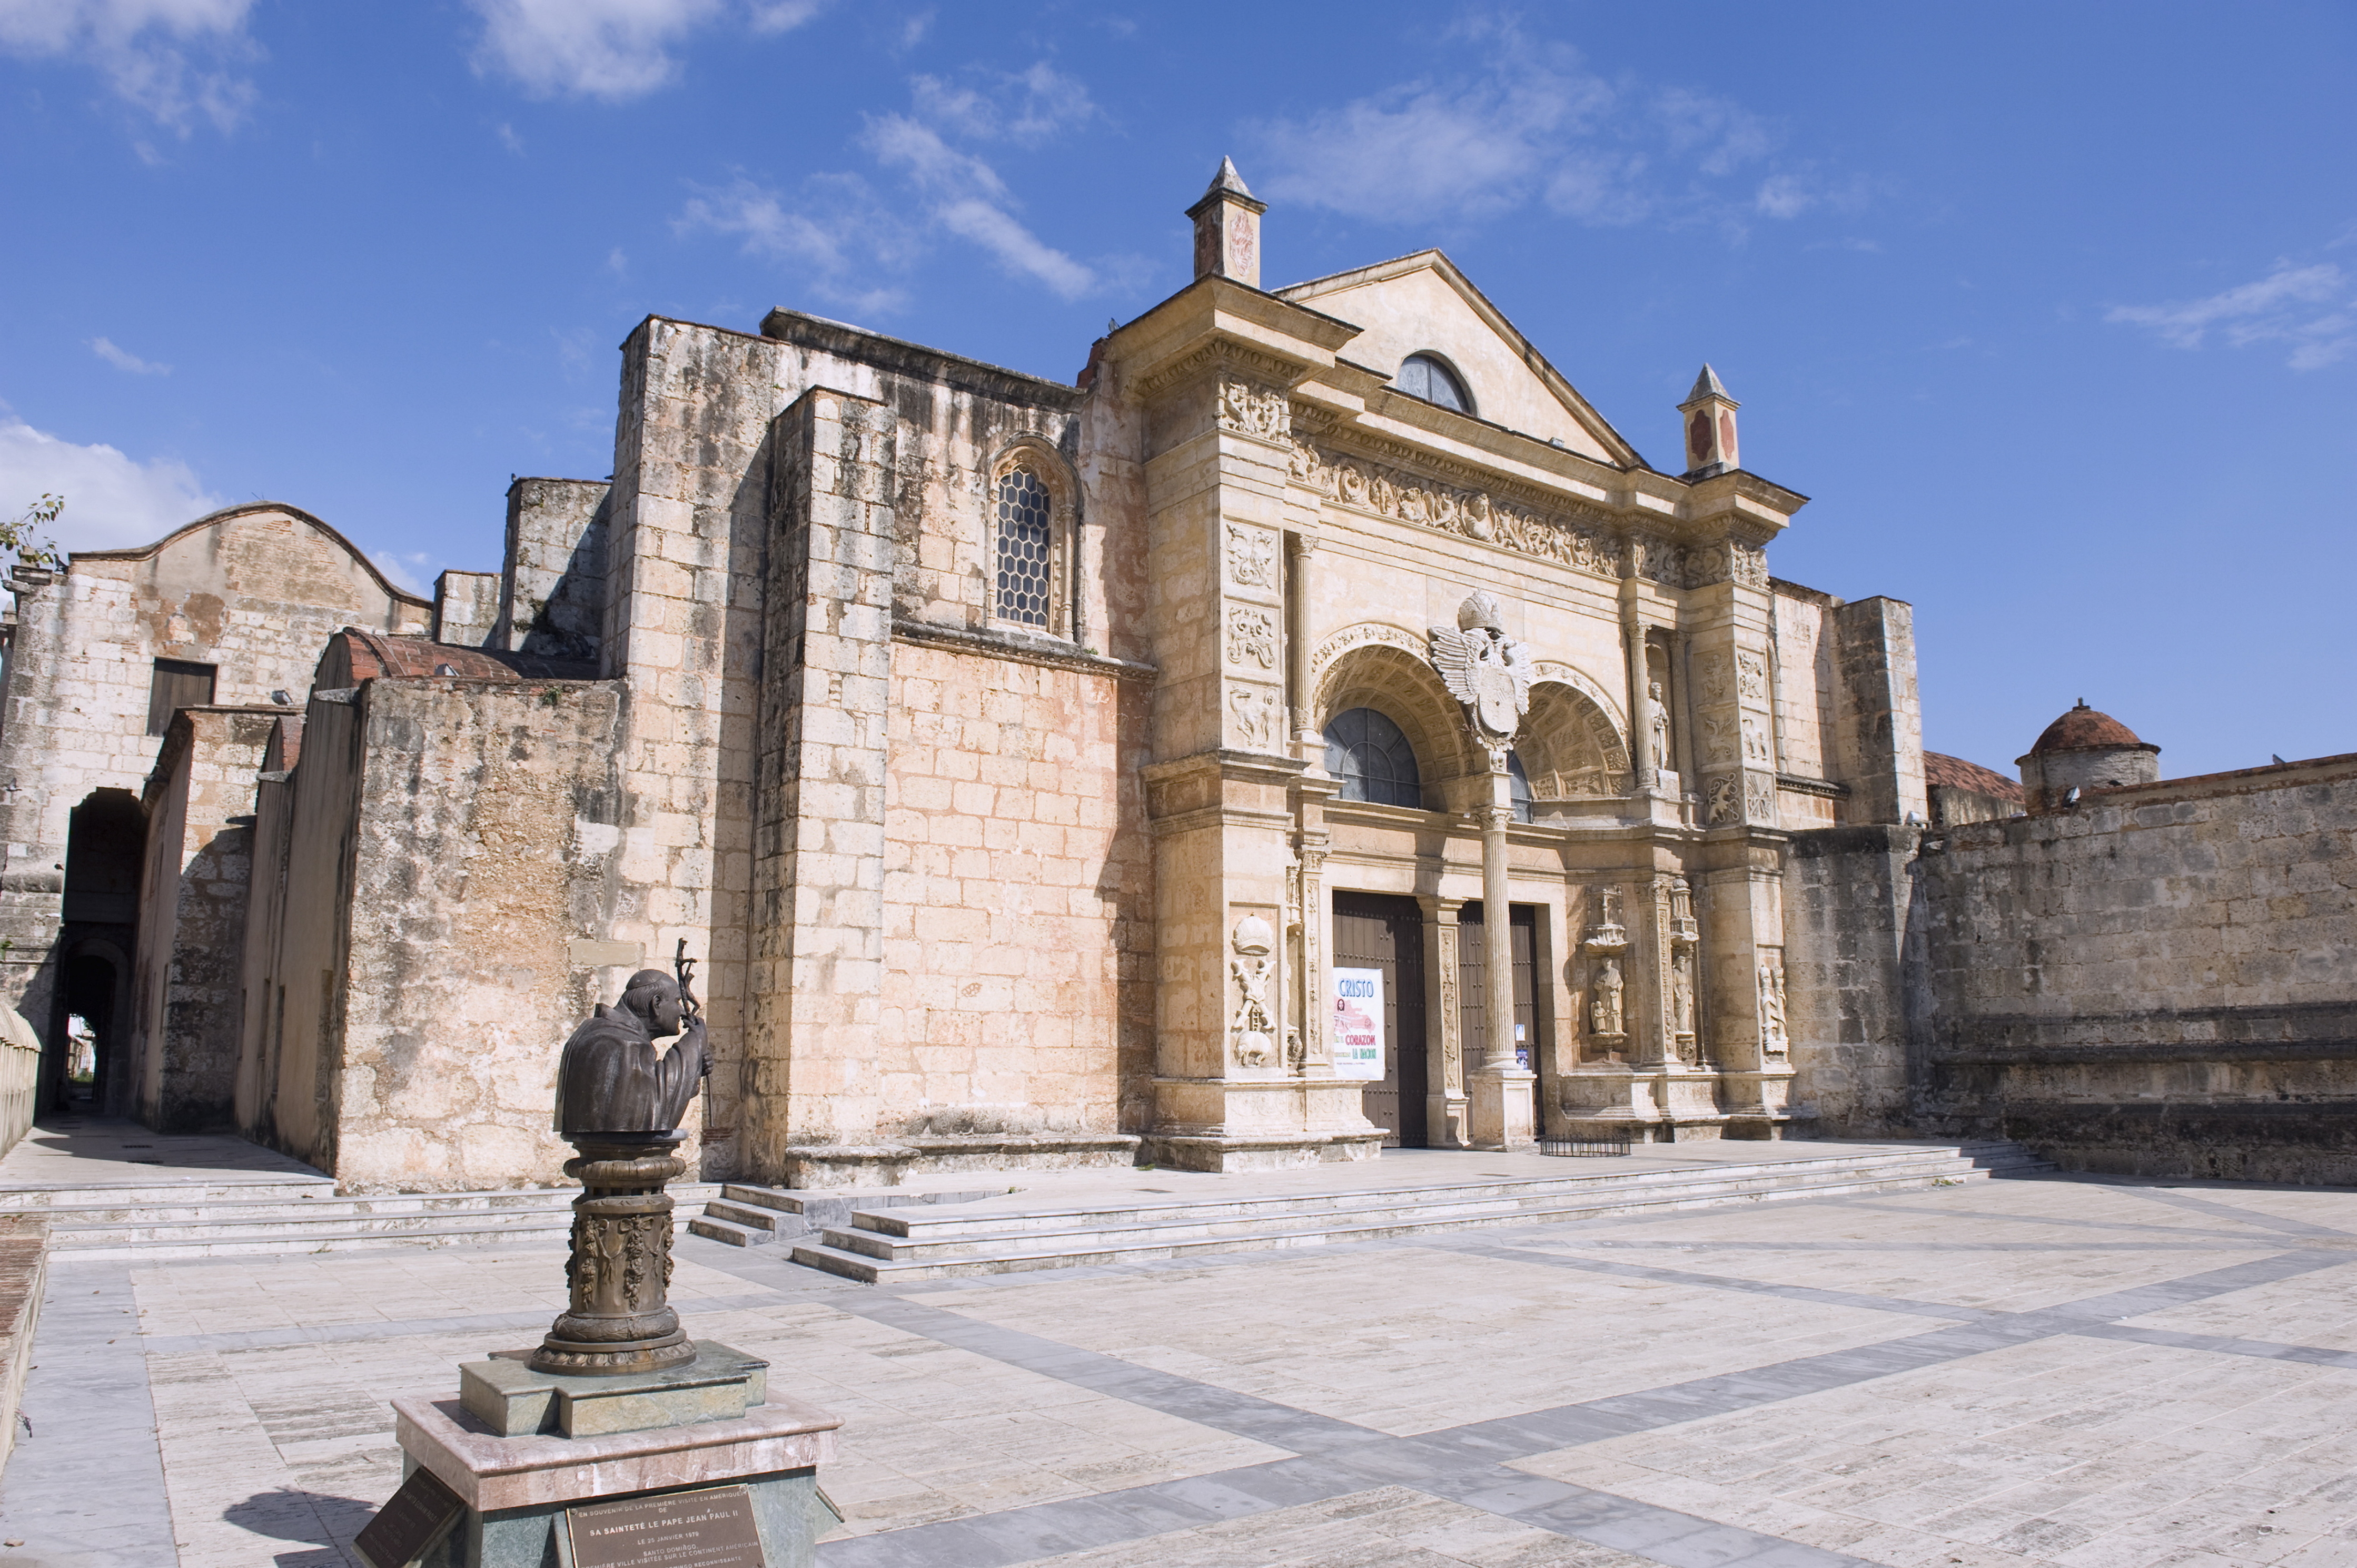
[(1316, 728)]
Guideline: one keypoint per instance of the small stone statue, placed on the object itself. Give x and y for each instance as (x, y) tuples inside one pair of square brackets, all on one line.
[(1604, 1012), (621, 1103)]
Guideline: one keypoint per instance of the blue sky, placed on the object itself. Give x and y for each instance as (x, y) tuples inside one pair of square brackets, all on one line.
[(2052, 308)]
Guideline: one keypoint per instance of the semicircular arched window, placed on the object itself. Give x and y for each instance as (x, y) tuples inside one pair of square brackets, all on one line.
[(1372, 758), (1429, 377)]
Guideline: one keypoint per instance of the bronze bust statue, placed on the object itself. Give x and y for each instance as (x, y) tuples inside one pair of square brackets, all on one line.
[(612, 1079), (619, 1101)]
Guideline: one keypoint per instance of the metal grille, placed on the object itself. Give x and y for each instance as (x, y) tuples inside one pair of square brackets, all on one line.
[(1590, 1147), (1023, 549)]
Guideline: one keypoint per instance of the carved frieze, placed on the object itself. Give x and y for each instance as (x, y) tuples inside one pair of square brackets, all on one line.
[(1583, 543), (1365, 634), (1746, 564), (1251, 410)]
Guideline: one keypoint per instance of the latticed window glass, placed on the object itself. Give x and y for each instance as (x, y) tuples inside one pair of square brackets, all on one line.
[(1023, 538), (1367, 753)]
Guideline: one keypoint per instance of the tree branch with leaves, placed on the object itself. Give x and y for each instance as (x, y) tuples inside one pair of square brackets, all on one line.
[(24, 536)]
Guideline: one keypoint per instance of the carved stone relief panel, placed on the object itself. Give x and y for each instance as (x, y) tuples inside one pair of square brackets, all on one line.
[(1774, 1037), (1252, 966), (1584, 542), (1252, 556), (1252, 637), (1254, 716)]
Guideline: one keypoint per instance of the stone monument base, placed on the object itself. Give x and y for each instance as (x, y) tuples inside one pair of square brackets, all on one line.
[(515, 1490), (515, 1399)]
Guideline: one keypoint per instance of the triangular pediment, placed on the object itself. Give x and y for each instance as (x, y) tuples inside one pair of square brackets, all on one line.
[(1423, 303)]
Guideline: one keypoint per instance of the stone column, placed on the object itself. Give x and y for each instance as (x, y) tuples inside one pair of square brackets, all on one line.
[(1641, 760), (1500, 1091), (1444, 1024), (1300, 561)]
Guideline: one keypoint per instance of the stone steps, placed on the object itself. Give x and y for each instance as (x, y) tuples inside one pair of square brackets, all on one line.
[(299, 1215), (904, 1243), (748, 1216)]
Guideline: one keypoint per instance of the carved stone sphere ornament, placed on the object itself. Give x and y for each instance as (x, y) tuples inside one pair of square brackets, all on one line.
[(619, 1102), (1485, 670)]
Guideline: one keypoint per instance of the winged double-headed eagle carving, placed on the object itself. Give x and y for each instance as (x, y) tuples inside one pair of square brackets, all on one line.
[(1484, 668)]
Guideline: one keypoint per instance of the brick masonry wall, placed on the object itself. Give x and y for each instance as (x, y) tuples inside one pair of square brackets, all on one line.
[(2162, 981), (1018, 893)]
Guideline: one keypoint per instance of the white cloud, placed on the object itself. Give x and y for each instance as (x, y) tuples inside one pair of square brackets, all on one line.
[(124, 359), (172, 60), (849, 242), (1530, 124), (2313, 308), (113, 501), (609, 49)]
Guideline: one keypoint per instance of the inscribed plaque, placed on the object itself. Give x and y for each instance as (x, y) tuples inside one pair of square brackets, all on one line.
[(408, 1525), (708, 1529)]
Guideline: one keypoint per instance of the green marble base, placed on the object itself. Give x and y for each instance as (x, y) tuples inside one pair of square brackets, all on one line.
[(513, 1400)]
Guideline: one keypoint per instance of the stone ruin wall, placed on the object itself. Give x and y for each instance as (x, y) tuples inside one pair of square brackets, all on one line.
[(2162, 981), (254, 591), (455, 841), (185, 985)]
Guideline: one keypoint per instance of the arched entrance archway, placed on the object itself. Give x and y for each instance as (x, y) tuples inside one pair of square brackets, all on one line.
[(106, 845)]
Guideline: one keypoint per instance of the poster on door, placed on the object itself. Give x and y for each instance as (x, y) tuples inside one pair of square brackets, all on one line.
[(1359, 1024)]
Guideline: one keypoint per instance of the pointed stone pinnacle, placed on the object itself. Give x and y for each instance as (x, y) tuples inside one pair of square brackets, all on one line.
[(1228, 179), (1707, 384)]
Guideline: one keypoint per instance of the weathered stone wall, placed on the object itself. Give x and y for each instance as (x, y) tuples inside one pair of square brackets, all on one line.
[(1017, 900), (192, 917), (2160, 981), (452, 845), (690, 567), (1847, 896), (466, 607), (252, 590), (552, 587)]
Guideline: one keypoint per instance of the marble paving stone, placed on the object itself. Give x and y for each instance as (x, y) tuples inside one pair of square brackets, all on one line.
[(2062, 1373)]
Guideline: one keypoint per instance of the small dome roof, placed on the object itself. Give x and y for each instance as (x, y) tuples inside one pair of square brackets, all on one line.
[(2083, 729)]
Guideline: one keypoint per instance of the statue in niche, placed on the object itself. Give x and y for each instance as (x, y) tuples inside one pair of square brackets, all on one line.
[(610, 1077), (1604, 1008), (1485, 670), (1660, 727), (1682, 997), (1771, 1005), (1251, 967)]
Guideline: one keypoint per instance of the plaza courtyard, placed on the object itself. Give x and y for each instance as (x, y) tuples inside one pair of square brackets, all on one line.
[(2051, 1369)]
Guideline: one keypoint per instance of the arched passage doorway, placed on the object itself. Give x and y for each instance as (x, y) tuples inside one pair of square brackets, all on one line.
[(106, 845)]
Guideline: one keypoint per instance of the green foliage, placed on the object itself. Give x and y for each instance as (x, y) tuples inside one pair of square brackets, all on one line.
[(19, 534)]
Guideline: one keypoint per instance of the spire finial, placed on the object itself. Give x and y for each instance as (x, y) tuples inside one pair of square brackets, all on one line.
[(1227, 228), (1710, 426)]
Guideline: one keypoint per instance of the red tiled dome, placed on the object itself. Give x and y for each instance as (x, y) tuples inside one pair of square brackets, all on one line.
[(2083, 728)]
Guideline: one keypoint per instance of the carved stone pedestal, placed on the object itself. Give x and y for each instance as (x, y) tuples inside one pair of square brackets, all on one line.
[(1501, 1109), (619, 1322)]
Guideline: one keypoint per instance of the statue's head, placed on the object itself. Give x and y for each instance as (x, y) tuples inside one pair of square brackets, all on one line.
[(654, 997)]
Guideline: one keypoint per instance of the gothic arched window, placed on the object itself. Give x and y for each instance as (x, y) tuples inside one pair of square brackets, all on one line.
[(1372, 758), (1427, 376), (1023, 545)]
